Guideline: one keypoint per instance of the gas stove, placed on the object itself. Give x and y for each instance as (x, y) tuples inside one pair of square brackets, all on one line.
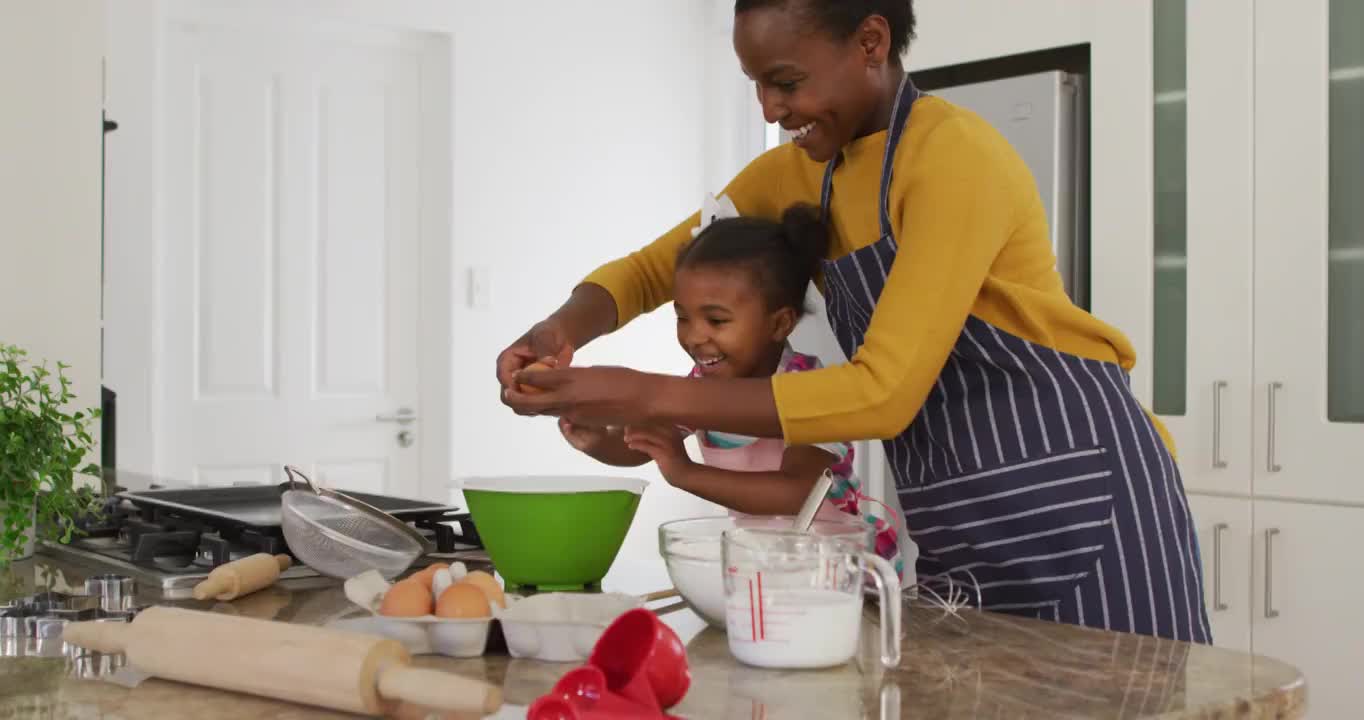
[(173, 549)]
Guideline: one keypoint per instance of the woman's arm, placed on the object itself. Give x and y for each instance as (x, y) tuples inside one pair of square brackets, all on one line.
[(640, 282), (958, 212), (589, 313)]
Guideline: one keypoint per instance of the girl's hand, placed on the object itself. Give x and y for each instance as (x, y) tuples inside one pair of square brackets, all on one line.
[(586, 439), (662, 444)]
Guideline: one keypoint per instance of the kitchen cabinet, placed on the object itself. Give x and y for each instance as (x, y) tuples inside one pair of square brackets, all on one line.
[(1258, 164), (1257, 329), (1224, 530), (1306, 594), (1309, 246), (1203, 188), (1280, 581)]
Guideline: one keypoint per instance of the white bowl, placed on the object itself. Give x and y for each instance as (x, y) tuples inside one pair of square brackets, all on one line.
[(561, 627), (691, 551)]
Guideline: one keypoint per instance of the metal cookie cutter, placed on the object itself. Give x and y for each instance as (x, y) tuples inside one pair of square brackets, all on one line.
[(115, 592), (33, 625)]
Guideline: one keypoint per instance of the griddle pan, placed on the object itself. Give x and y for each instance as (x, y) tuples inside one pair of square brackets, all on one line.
[(258, 506)]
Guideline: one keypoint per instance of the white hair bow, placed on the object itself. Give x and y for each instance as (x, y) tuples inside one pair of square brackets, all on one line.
[(712, 209)]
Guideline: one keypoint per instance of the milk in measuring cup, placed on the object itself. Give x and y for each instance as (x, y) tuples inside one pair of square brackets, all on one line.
[(793, 628)]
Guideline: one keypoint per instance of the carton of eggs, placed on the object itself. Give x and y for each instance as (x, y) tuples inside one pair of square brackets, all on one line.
[(441, 609), (437, 591), (450, 611)]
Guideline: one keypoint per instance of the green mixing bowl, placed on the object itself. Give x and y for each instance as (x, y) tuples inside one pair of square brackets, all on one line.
[(553, 532)]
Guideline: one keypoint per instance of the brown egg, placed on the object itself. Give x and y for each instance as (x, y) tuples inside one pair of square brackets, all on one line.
[(463, 601), (409, 598), (530, 389), (488, 585), (425, 575)]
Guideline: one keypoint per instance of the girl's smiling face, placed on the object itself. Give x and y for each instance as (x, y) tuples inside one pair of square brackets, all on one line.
[(724, 322)]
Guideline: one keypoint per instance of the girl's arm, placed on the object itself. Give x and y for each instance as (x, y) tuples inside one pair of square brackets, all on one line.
[(605, 445), (778, 492)]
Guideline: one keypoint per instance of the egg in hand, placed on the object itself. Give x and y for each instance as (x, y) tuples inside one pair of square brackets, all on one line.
[(531, 389)]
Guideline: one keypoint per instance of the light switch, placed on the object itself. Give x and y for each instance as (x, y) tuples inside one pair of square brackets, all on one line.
[(478, 289)]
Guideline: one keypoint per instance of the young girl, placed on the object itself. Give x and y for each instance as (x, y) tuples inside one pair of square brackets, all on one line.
[(739, 292)]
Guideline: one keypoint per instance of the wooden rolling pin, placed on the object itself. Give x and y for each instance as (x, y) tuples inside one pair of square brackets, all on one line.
[(316, 666), (242, 577)]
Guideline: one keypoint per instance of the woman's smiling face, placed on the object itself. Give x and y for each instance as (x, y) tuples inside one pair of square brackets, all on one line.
[(821, 90)]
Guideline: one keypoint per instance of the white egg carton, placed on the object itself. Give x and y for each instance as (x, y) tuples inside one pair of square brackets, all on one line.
[(561, 627), (553, 627), (426, 635)]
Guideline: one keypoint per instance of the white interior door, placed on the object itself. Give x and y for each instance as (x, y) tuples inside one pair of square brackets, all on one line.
[(291, 239), (1309, 249)]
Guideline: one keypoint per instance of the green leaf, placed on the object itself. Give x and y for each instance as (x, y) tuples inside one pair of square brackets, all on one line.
[(43, 446)]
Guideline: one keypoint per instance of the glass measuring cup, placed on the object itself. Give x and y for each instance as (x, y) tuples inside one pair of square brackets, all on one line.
[(794, 599), (691, 552)]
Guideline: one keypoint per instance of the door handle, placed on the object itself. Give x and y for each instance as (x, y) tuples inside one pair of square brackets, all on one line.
[(1271, 459), (1217, 388), (404, 416), (1270, 612), (1217, 604)]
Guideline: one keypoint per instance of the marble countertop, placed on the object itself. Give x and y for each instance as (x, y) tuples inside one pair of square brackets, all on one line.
[(983, 665)]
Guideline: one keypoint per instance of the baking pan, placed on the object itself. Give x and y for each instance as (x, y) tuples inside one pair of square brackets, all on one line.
[(258, 506)]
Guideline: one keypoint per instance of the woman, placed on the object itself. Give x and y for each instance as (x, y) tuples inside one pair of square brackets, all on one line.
[(1018, 449)]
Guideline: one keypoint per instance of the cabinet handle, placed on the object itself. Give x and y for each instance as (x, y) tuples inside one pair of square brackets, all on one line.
[(1217, 388), (1271, 460), (1270, 612), (1217, 604)]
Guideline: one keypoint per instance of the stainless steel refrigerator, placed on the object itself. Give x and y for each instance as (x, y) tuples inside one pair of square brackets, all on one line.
[(1045, 117)]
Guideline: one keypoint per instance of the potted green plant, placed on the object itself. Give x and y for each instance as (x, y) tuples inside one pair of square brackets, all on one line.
[(43, 446)]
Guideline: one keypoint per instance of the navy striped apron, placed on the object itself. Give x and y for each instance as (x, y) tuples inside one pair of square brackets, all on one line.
[(1037, 471)]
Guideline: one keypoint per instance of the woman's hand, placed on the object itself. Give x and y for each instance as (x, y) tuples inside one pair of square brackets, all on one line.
[(546, 341), (664, 445), (589, 313), (600, 396)]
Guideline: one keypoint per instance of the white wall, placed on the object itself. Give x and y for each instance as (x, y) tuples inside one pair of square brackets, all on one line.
[(132, 155), (50, 79), (567, 156), (580, 131), (577, 146)]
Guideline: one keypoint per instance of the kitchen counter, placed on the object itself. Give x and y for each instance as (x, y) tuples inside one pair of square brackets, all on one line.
[(984, 665)]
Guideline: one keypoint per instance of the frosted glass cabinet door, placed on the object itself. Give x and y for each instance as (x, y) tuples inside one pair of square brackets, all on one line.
[(1309, 245), (1202, 174)]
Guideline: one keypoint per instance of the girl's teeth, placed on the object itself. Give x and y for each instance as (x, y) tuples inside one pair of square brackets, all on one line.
[(802, 131)]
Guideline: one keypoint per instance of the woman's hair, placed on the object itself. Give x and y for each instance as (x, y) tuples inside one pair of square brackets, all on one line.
[(841, 18), (782, 255)]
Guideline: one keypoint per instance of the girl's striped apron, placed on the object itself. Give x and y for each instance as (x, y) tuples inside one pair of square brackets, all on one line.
[(1036, 470)]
